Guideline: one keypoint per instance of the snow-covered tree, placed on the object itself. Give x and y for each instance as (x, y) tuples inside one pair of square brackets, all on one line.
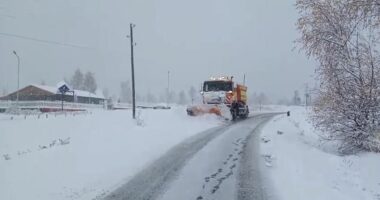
[(5, 92), (283, 101), (150, 98), (162, 98), (89, 83), (342, 35), (252, 99), (261, 99), (172, 97), (296, 98), (106, 93), (125, 92), (182, 100), (77, 80), (139, 98), (192, 94)]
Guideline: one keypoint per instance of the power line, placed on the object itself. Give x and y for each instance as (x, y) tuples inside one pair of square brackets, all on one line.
[(7, 16), (43, 41)]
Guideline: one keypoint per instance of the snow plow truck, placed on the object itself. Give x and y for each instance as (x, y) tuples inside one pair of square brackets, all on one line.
[(223, 97)]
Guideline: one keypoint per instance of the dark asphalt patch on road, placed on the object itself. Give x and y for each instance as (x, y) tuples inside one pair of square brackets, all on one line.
[(250, 184), (151, 182)]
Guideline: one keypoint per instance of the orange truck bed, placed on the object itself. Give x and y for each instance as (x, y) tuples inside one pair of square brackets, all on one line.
[(240, 93)]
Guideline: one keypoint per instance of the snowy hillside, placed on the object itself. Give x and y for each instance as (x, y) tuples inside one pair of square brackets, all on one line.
[(87, 155), (300, 166)]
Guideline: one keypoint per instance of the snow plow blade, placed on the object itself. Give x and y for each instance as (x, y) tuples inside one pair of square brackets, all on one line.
[(219, 110)]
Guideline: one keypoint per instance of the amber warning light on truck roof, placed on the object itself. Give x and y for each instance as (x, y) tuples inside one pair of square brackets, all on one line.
[(221, 78)]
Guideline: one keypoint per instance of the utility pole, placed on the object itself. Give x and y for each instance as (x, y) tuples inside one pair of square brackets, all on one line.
[(62, 96), (18, 76), (306, 95), (168, 90), (244, 80), (131, 26)]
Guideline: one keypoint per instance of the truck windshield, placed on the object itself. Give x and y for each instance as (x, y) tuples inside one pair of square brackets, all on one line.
[(217, 86)]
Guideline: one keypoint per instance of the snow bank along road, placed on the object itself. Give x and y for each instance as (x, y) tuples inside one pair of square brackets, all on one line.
[(220, 163)]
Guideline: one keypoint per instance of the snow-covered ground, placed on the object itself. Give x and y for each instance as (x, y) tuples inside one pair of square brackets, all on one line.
[(300, 166), (87, 155)]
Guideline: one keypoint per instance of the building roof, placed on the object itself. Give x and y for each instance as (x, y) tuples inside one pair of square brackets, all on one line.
[(79, 93), (47, 88)]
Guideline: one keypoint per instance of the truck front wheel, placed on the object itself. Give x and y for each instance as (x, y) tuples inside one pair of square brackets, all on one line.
[(234, 111)]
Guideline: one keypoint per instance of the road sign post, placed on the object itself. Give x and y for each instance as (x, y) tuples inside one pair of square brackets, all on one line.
[(63, 89)]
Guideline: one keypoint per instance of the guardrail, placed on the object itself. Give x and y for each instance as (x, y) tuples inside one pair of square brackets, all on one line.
[(47, 104), (117, 106)]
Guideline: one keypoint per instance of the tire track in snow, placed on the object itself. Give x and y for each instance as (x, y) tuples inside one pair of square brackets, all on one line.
[(150, 182), (250, 183)]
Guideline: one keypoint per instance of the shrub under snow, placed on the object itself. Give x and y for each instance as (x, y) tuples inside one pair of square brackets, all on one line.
[(343, 36)]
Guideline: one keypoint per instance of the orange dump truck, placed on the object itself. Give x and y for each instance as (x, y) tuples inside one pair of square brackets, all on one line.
[(221, 96)]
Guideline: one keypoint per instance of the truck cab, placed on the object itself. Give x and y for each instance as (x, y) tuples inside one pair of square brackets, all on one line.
[(218, 92)]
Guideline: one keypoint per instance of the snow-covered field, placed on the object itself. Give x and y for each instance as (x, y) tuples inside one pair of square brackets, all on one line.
[(300, 166), (87, 155)]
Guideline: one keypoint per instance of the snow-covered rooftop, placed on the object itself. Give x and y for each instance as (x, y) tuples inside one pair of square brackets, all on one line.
[(79, 93), (47, 88)]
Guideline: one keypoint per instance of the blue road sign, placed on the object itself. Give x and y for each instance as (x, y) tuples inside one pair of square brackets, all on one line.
[(63, 89)]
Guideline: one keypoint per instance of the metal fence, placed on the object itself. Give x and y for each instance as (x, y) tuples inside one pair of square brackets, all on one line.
[(48, 104)]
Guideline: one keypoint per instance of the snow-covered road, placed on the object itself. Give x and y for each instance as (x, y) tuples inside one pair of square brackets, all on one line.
[(220, 163), (84, 156)]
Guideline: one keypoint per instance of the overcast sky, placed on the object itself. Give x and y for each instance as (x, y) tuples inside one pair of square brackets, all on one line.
[(193, 39)]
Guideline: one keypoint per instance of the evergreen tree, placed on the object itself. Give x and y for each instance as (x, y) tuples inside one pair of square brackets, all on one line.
[(192, 94), (126, 92), (89, 83), (182, 100), (77, 80)]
